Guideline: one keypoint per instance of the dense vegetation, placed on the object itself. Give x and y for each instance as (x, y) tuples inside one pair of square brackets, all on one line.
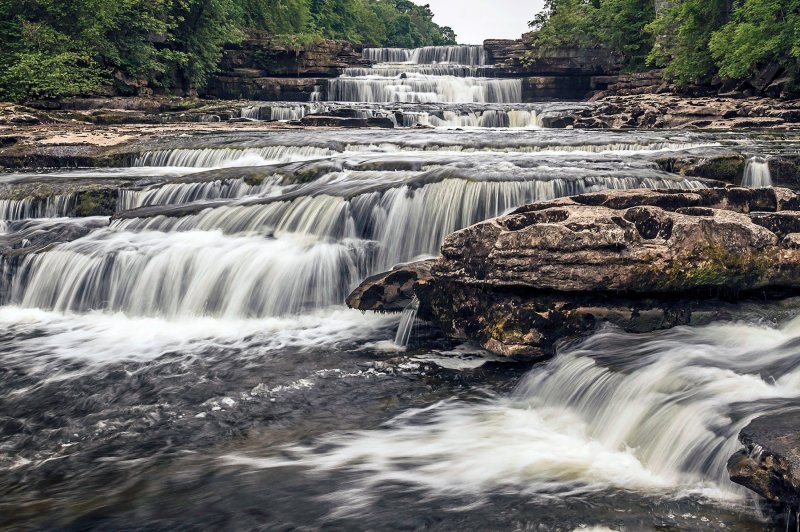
[(55, 48), (693, 40)]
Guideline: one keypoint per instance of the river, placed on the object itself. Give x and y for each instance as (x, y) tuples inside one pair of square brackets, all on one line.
[(190, 363)]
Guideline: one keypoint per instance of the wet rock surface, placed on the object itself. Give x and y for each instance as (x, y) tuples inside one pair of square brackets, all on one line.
[(642, 260), (770, 463), (655, 111)]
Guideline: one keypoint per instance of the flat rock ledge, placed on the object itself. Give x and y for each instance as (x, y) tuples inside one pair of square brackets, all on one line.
[(770, 462), (640, 259)]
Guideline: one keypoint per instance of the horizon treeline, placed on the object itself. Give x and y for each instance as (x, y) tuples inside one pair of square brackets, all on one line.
[(694, 41), (57, 48)]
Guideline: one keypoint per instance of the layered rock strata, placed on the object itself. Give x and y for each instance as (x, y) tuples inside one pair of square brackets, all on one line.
[(643, 260)]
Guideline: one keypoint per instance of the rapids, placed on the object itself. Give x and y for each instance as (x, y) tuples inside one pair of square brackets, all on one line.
[(189, 363)]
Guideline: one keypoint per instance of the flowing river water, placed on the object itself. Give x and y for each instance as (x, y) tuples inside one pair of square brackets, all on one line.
[(190, 363)]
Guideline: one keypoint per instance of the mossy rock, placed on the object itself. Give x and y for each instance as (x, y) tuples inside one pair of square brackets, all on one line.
[(102, 202), (714, 267), (726, 168)]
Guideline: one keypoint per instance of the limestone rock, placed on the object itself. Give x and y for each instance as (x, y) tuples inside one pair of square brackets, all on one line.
[(391, 291), (640, 259)]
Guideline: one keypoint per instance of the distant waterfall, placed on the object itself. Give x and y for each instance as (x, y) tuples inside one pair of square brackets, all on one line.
[(418, 88), (756, 173), (454, 74), (472, 55)]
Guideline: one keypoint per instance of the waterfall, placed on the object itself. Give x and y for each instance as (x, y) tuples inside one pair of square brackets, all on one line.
[(452, 74), (407, 320), (268, 259), (184, 193), (49, 207), (418, 88), (193, 273), (406, 222), (390, 70), (756, 173), (658, 413), (218, 157), (473, 55)]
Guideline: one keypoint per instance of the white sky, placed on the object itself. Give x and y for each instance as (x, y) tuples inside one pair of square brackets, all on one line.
[(476, 20)]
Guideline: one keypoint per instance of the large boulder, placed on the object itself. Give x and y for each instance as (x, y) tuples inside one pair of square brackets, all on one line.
[(640, 259), (770, 463)]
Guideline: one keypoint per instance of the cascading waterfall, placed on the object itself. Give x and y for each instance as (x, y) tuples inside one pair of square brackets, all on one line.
[(418, 88), (323, 245), (218, 157), (236, 157), (757, 173), (183, 193), (390, 70), (212, 303), (49, 207), (469, 54), (193, 273), (472, 55), (424, 75), (406, 222)]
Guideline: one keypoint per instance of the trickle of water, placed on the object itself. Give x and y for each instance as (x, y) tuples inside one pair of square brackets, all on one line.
[(407, 323), (756, 173)]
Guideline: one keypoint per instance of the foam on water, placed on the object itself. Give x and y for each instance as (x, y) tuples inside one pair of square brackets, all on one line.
[(657, 413), (44, 339)]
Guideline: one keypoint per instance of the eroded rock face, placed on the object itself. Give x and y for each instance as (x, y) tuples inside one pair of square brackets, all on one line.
[(640, 259), (391, 291), (770, 463), (635, 241)]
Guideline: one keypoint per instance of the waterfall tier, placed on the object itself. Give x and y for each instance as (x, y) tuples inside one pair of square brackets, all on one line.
[(472, 55), (424, 75)]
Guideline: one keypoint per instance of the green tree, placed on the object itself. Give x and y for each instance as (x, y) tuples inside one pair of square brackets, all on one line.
[(760, 32), (684, 32)]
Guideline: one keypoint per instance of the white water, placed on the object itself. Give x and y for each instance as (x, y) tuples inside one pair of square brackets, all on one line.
[(424, 75), (472, 55), (97, 337), (50, 207), (230, 157), (407, 320), (662, 418), (420, 88), (757, 173), (183, 193), (193, 273)]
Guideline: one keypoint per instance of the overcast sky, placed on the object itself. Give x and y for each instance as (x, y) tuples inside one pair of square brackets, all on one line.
[(476, 20)]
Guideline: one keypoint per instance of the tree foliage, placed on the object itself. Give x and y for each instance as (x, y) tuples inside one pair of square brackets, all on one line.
[(617, 24), (693, 40), (57, 48)]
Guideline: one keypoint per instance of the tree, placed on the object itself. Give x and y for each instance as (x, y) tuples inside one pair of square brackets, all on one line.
[(683, 33), (760, 32)]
